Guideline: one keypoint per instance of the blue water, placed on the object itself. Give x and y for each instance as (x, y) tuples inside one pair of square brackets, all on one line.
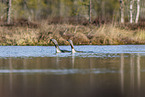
[(101, 71), (90, 50)]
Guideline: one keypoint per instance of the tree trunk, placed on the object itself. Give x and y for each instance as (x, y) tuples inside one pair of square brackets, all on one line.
[(103, 9), (61, 10), (122, 10), (131, 10), (90, 11), (9, 12), (138, 11)]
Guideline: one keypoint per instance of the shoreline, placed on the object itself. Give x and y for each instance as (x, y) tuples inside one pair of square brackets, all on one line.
[(107, 34)]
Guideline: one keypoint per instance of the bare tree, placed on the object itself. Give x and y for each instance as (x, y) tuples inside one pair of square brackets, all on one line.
[(138, 11), (103, 9), (131, 10), (90, 10), (122, 10), (9, 12)]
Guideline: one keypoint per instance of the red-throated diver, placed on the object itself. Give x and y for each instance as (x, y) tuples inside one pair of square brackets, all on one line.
[(58, 50), (72, 47)]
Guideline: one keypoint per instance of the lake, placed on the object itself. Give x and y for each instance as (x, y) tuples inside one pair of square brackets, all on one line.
[(101, 71)]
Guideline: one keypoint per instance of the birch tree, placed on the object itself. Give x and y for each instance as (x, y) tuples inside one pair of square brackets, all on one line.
[(138, 11), (131, 10), (9, 12), (122, 10)]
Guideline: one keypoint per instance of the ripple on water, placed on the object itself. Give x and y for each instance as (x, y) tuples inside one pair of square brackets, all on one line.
[(90, 51), (59, 71)]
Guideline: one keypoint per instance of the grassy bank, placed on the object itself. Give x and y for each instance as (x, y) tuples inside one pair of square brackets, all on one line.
[(107, 34)]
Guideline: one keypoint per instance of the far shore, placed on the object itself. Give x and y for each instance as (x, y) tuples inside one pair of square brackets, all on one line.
[(106, 34)]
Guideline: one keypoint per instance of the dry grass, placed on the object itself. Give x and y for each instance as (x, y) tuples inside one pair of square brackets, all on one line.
[(106, 34), (18, 36), (109, 34), (140, 36)]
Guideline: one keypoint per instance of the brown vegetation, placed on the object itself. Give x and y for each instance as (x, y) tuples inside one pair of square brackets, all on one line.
[(30, 33)]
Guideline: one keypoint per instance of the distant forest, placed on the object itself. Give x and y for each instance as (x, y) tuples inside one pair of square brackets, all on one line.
[(70, 10)]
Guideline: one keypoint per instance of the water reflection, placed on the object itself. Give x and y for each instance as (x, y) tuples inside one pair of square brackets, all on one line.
[(122, 72), (73, 60), (134, 87), (132, 74), (138, 74), (11, 75), (73, 76)]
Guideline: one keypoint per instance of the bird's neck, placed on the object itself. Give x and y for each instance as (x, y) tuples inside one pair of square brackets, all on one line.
[(58, 50), (73, 50)]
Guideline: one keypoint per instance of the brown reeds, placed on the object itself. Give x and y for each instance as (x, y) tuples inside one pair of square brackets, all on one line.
[(106, 34)]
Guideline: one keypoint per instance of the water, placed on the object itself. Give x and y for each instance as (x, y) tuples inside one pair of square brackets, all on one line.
[(106, 71)]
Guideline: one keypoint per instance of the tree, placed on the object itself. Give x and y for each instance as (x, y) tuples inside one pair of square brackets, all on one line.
[(131, 10), (85, 10), (122, 10), (9, 12), (90, 10), (138, 11)]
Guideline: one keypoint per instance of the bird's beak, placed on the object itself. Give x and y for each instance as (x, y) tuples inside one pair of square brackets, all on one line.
[(50, 41), (68, 41)]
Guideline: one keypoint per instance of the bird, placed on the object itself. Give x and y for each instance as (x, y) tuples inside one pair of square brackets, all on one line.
[(58, 50), (72, 47)]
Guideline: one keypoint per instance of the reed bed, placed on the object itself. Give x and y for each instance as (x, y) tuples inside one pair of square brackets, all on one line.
[(107, 34)]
